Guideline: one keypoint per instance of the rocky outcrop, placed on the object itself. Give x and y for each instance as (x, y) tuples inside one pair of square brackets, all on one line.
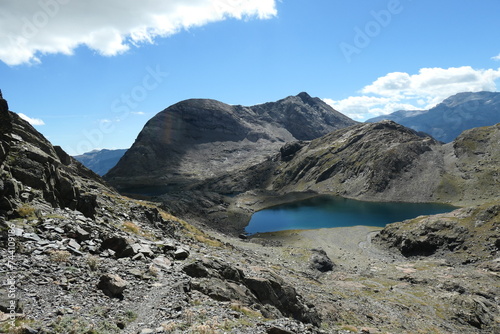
[(449, 119), (223, 282), (383, 161), (472, 161), (32, 169), (198, 139), (464, 235), (112, 285), (360, 161)]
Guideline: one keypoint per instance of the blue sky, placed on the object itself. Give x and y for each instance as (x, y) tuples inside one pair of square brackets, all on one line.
[(94, 71)]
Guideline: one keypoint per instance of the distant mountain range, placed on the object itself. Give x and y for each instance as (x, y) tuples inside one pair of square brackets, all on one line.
[(450, 118), (101, 161)]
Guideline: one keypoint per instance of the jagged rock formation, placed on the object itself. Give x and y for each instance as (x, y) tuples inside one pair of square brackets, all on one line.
[(450, 118), (32, 169), (224, 282), (100, 161), (197, 139)]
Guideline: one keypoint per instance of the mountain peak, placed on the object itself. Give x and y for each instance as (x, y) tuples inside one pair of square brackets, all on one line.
[(198, 139), (4, 106), (304, 96)]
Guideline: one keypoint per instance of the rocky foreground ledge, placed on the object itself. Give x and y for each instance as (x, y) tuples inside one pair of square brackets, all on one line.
[(136, 269)]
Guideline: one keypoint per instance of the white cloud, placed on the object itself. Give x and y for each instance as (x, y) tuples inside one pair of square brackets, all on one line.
[(496, 57), (399, 90), (32, 121), (138, 113), (29, 29)]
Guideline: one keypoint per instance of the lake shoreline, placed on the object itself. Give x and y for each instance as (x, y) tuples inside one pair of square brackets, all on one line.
[(314, 211)]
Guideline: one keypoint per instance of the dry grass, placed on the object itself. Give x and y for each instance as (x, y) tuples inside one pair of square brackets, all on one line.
[(131, 227), (59, 256), (200, 236), (93, 262), (26, 211), (245, 310)]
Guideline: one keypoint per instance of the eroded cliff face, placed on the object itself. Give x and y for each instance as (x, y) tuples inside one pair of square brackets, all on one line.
[(198, 139), (32, 169)]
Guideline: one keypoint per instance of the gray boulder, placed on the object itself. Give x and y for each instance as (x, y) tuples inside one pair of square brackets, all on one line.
[(320, 261), (112, 285)]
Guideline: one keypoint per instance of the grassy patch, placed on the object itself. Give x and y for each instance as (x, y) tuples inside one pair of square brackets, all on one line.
[(26, 211), (200, 236), (131, 227), (18, 328), (78, 325), (245, 310), (59, 256)]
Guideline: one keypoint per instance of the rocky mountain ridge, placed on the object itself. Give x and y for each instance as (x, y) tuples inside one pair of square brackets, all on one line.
[(449, 119), (381, 161), (198, 139)]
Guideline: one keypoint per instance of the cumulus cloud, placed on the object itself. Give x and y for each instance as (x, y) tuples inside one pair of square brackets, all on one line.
[(32, 121), (404, 91), (29, 29), (496, 57)]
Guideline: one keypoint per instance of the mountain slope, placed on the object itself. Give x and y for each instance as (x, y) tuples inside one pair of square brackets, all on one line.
[(380, 161), (198, 139), (454, 115), (100, 161)]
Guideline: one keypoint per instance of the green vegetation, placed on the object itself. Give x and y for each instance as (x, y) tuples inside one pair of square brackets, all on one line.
[(245, 310), (131, 227)]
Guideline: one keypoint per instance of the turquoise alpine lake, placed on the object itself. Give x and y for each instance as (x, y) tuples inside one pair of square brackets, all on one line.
[(334, 211)]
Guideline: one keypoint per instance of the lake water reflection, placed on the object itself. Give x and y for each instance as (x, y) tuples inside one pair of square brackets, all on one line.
[(333, 211)]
